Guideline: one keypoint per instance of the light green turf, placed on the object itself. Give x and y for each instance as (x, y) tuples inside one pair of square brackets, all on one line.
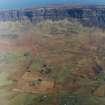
[(4, 79)]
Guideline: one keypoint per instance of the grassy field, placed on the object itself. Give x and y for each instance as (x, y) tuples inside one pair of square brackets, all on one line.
[(71, 55)]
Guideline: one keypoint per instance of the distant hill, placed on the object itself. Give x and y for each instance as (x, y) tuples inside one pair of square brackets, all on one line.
[(89, 15)]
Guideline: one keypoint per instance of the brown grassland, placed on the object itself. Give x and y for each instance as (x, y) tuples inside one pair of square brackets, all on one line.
[(51, 63)]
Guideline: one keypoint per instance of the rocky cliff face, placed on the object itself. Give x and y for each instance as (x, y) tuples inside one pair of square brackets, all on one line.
[(87, 15)]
